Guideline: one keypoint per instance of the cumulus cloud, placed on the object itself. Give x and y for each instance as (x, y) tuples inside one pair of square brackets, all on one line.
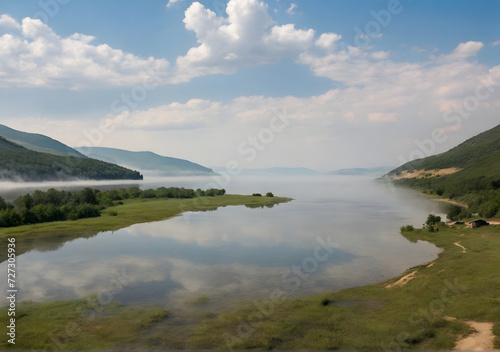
[(7, 21), (378, 100), (247, 37), (38, 57), (465, 50), (326, 40), (376, 90)]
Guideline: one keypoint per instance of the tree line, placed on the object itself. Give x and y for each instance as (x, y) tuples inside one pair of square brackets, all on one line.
[(53, 205)]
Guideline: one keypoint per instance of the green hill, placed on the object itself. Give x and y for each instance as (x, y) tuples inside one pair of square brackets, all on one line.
[(21, 164), (38, 142), (476, 180), (147, 161)]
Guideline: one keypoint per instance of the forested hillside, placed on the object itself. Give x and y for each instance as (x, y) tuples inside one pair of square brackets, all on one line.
[(477, 181), (20, 164)]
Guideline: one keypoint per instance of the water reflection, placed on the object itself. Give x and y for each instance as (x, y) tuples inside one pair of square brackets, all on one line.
[(238, 253)]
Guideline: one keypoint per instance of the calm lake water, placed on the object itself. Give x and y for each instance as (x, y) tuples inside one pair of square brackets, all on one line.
[(238, 253)]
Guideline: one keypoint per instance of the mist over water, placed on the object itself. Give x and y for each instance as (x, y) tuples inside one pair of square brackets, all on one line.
[(236, 253)]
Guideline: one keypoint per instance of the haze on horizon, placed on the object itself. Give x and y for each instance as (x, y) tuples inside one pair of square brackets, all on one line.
[(254, 83)]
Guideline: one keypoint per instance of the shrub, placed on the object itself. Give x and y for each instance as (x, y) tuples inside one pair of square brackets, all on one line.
[(257, 195), (407, 228), (269, 194)]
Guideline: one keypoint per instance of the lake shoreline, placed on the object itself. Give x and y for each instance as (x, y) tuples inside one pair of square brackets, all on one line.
[(399, 312), (409, 311)]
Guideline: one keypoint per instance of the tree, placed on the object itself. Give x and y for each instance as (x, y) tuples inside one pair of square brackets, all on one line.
[(454, 213), (269, 194), (24, 202), (88, 196), (433, 220), (3, 204)]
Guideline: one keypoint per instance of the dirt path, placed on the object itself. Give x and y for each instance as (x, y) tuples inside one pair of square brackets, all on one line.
[(404, 280), (464, 250), (482, 340), (452, 202)]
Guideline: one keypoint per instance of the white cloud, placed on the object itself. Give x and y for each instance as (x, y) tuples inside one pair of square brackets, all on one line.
[(247, 37), (326, 40), (379, 100), (38, 57), (495, 43), (379, 55), (196, 113), (287, 37), (172, 3), (7, 21), (291, 9), (465, 50)]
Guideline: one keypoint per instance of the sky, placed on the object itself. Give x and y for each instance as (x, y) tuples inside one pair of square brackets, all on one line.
[(324, 84)]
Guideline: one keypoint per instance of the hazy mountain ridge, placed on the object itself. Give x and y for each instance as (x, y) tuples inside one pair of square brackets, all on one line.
[(38, 142), (147, 161), (303, 171), (361, 171)]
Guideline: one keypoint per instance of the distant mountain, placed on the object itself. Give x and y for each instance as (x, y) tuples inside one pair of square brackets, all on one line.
[(37, 142), (147, 162), (277, 171), (469, 173), (362, 171), (18, 163)]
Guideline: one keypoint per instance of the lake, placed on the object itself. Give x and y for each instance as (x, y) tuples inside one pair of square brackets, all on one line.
[(235, 254)]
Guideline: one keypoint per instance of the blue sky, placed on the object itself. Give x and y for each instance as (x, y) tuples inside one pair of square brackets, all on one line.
[(358, 83)]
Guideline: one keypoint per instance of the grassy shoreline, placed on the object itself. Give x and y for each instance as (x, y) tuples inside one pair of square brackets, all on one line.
[(461, 285), (135, 211)]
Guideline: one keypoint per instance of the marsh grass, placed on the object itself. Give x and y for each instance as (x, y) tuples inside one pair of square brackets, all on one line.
[(199, 300), (76, 325)]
